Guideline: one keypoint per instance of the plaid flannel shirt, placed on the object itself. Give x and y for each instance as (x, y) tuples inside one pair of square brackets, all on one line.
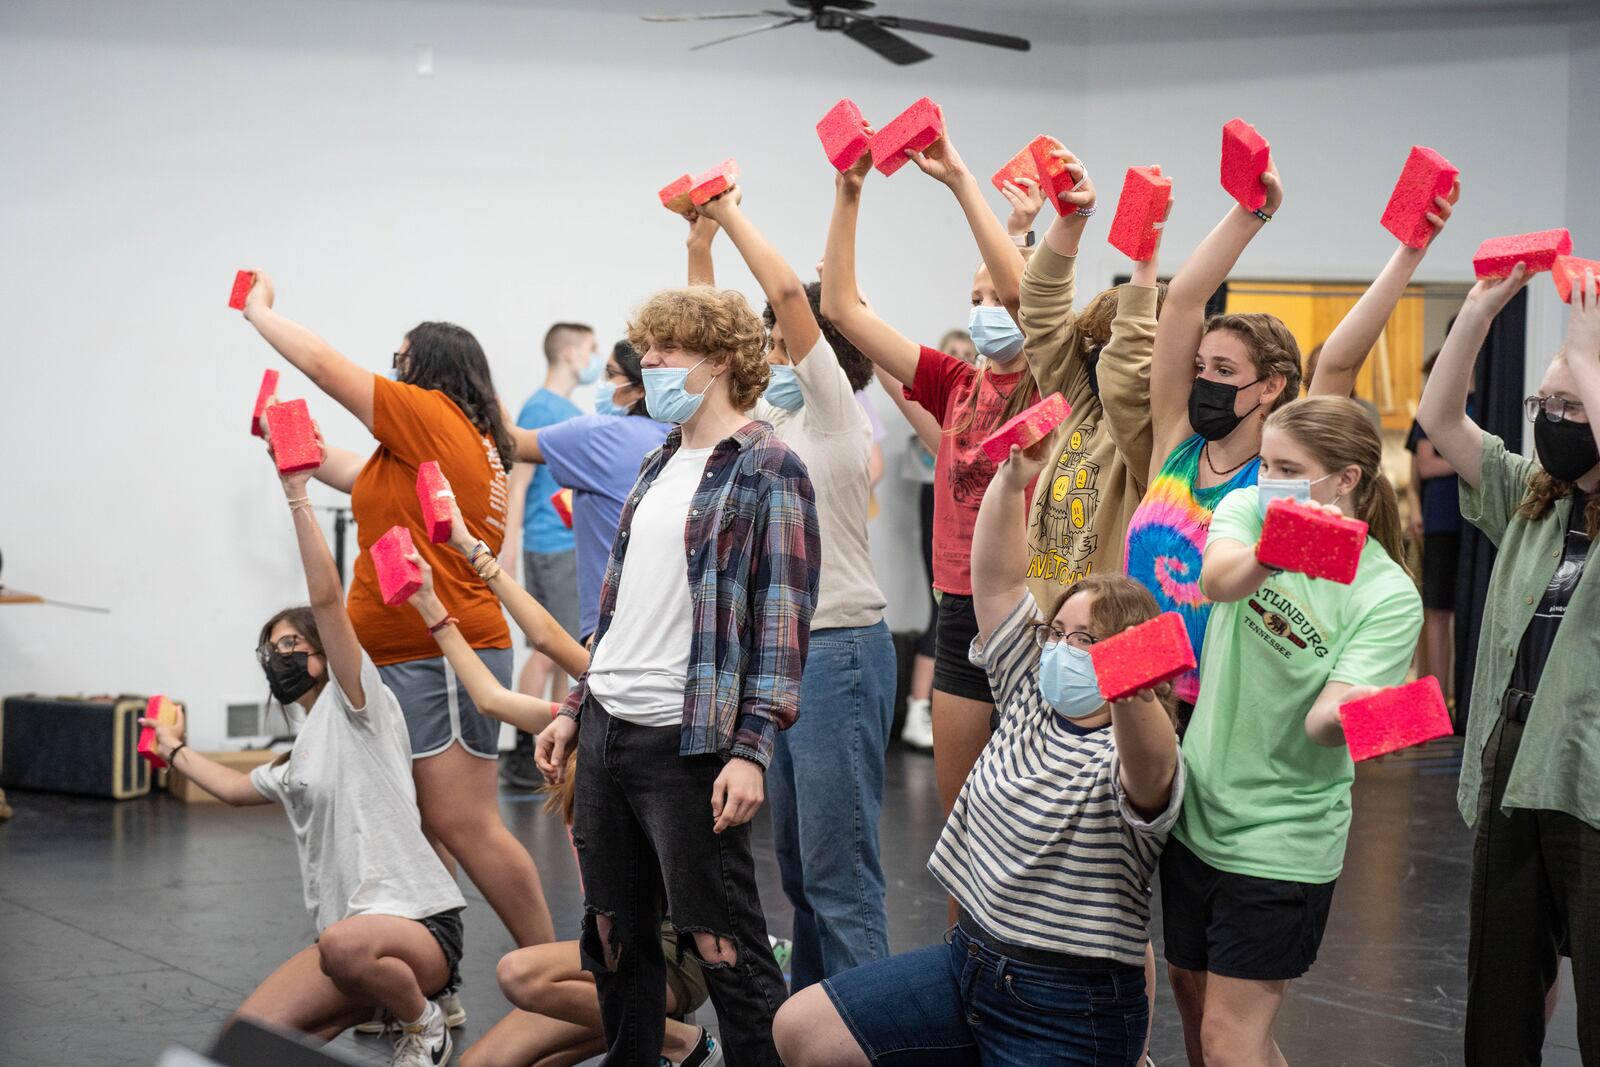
[(753, 596)]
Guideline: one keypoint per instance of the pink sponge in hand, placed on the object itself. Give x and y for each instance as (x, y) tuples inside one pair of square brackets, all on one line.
[(843, 133), (241, 289), (165, 712), (1426, 175), (434, 494), (1141, 211), (714, 182), (1021, 165), (1054, 177), (1028, 428), (1310, 541), (1396, 718), (1568, 272), (294, 438), (1498, 256), (675, 195), (1245, 158), (914, 129), (561, 500), (398, 577), (1142, 656), (269, 386)]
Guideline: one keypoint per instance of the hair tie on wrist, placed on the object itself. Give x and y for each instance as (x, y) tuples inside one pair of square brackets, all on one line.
[(448, 620), (1262, 215)]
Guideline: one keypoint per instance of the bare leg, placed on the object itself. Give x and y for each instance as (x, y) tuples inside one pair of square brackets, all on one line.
[(459, 797), (535, 677), (298, 996), (809, 1033), (1440, 637), (1189, 990), (921, 678), (381, 959), (1236, 1030)]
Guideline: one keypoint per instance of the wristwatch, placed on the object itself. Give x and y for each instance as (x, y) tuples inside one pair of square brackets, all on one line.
[(1023, 240)]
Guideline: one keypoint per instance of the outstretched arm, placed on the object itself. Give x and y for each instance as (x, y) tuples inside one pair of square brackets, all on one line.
[(225, 783), (335, 375), (1147, 751), (1000, 539), (773, 273)]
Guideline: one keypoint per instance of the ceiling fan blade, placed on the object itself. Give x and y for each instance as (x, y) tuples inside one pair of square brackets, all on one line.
[(960, 33), (890, 46), (712, 15), (788, 21)]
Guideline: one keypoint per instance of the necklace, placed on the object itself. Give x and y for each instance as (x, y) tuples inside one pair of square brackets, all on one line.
[(1205, 450)]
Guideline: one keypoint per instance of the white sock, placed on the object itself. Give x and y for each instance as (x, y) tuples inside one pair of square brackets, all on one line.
[(430, 1019)]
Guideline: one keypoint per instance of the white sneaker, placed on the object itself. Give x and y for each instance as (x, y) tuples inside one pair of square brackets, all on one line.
[(380, 1022), (918, 729), (425, 1043), (455, 1016)]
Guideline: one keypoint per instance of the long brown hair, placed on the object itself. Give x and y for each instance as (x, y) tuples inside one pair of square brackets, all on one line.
[(1335, 430), (1024, 396), (1273, 350), (562, 798)]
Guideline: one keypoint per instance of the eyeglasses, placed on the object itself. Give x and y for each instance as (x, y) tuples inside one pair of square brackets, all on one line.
[(1557, 407), (286, 645), (1048, 636), (400, 361)]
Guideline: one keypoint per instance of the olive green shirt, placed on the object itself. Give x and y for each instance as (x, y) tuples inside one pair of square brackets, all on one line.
[(1558, 764)]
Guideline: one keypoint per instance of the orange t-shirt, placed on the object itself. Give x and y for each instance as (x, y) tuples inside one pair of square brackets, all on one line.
[(412, 426)]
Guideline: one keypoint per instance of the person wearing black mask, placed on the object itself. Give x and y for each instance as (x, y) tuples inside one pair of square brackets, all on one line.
[(1533, 736)]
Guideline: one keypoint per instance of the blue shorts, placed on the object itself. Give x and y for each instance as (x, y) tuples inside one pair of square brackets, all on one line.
[(437, 708), (960, 1004)]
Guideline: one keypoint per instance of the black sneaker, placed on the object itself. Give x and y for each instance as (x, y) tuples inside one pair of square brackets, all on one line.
[(519, 770), (707, 1053)]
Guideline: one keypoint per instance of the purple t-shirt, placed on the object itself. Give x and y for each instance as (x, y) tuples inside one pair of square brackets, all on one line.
[(598, 457)]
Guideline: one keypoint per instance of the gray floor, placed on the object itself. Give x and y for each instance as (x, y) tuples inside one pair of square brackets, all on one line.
[(128, 927)]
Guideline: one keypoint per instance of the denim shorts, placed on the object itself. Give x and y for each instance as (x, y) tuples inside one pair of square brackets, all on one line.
[(436, 706), (962, 1004)]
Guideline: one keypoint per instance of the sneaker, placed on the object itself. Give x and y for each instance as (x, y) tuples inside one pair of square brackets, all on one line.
[(918, 730), (519, 771), (380, 1022), (455, 1016), (782, 950), (425, 1043), (707, 1053)]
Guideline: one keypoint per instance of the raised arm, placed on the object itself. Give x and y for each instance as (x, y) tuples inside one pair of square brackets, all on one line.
[(921, 419), (1582, 350), (1124, 371), (1442, 411), (1000, 539), (1147, 752), (702, 231), (1066, 231), (772, 272), (1049, 286), (841, 296), (1348, 346), (1000, 254), (335, 375)]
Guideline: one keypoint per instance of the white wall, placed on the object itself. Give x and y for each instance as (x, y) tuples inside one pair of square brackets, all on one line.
[(152, 149)]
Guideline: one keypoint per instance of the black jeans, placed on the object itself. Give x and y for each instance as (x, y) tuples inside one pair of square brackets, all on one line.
[(642, 826), (1535, 884)]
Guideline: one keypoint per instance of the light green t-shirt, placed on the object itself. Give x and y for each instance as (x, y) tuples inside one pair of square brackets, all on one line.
[(1264, 799)]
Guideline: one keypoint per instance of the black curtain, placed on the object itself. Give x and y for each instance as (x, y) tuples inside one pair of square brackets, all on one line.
[(1498, 406)]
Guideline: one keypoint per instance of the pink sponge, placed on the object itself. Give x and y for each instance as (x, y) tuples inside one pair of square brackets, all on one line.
[(1142, 656), (1245, 158), (1028, 428), (398, 577), (714, 182), (1141, 211), (294, 438), (1021, 165), (1395, 718), (1568, 274), (269, 385), (1307, 540), (241, 289), (914, 129), (1054, 178), (1498, 256), (843, 133), (675, 195), (165, 712), (1426, 175), (561, 500), (434, 494)]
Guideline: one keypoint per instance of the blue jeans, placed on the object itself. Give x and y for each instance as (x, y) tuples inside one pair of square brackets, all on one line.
[(962, 1004), (825, 786)]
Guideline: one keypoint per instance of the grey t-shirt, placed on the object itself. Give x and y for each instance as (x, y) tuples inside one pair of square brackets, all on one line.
[(347, 790), (833, 438)]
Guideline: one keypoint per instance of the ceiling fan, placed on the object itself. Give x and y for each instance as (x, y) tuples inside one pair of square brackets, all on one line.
[(850, 17)]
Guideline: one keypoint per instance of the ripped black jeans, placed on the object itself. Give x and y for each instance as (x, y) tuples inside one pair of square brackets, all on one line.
[(642, 825)]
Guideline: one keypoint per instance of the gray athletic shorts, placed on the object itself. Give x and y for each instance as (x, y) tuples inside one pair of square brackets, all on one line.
[(552, 579), (437, 708)]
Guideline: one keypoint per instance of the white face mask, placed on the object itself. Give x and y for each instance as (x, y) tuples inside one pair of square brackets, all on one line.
[(1270, 489)]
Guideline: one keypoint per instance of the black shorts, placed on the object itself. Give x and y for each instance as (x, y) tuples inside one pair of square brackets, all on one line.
[(1441, 560), (953, 671), (1258, 929), (445, 926)]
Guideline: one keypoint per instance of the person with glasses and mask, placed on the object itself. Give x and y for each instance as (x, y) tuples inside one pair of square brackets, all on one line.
[(1048, 852), (440, 405), (387, 913), (1530, 775)]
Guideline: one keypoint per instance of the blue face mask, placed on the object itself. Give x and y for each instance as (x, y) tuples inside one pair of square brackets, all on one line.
[(605, 400), (1270, 489), (665, 397), (783, 391), (996, 336), (592, 370), (1067, 681)]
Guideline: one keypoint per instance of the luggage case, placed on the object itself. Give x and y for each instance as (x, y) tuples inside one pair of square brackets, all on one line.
[(82, 745)]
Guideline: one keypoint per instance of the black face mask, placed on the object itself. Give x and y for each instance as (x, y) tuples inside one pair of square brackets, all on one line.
[(287, 675), (1211, 408), (1566, 448)]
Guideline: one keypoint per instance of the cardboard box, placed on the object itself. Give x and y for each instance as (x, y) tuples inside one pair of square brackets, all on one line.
[(242, 761)]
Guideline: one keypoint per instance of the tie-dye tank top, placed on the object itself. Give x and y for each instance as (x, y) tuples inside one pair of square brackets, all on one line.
[(1167, 536)]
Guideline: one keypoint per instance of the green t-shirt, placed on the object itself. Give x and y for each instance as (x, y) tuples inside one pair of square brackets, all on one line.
[(1264, 799)]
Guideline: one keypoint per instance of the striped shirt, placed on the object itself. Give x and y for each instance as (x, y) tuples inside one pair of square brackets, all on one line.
[(1042, 848), (752, 550)]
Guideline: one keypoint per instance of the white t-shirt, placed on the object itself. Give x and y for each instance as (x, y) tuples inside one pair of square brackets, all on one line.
[(641, 665), (347, 790), (833, 438)]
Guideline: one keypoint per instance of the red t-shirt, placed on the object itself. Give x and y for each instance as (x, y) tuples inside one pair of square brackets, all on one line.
[(961, 472)]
